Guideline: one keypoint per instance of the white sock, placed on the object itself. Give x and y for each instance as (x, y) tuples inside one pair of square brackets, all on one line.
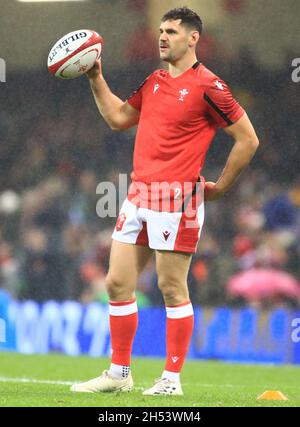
[(119, 371), (173, 376)]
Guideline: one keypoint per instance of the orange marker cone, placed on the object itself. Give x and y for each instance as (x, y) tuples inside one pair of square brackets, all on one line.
[(272, 395)]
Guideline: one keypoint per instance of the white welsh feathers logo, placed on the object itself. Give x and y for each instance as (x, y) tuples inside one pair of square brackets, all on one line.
[(219, 85), (183, 93)]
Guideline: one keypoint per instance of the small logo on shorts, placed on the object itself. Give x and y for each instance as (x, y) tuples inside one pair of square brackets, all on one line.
[(175, 359), (166, 235), (120, 221)]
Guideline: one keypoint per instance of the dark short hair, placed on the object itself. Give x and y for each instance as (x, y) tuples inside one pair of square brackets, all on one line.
[(188, 18)]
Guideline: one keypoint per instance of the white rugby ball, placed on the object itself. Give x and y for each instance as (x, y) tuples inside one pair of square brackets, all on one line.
[(75, 54)]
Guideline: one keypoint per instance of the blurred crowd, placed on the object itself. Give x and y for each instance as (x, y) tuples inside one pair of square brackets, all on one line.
[(55, 149)]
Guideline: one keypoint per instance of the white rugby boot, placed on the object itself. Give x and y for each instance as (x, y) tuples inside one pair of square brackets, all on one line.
[(104, 383), (164, 386)]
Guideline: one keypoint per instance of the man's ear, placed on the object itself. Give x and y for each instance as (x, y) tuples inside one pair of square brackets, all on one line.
[(194, 38)]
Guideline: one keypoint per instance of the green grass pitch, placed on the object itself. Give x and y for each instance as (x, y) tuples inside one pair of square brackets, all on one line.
[(44, 380)]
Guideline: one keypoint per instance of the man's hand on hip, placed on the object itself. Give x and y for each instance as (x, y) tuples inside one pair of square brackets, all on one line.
[(212, 192)]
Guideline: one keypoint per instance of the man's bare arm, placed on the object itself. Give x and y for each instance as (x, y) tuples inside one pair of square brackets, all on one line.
[(245, 146), (119, 115)]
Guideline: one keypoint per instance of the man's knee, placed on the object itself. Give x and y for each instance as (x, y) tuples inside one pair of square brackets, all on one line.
[(117, 288), (173, 290), (113, 283)]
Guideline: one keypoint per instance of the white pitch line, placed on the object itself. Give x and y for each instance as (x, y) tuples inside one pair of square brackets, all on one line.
[(68, 383), (32, 380), (51, 382)]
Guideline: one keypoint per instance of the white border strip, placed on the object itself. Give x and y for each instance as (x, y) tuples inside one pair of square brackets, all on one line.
[(180, 312), (123, 310)]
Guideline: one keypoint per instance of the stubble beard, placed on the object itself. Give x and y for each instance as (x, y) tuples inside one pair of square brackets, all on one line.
[(166, 58)]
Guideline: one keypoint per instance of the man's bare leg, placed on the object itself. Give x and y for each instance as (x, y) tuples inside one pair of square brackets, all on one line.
[(127, 261), (172, 270)]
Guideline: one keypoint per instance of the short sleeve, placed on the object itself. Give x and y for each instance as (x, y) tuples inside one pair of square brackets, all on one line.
[(222, 107), (135, 99)]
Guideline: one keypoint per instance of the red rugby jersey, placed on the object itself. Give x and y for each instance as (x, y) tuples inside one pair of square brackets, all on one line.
[(178, 120)]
